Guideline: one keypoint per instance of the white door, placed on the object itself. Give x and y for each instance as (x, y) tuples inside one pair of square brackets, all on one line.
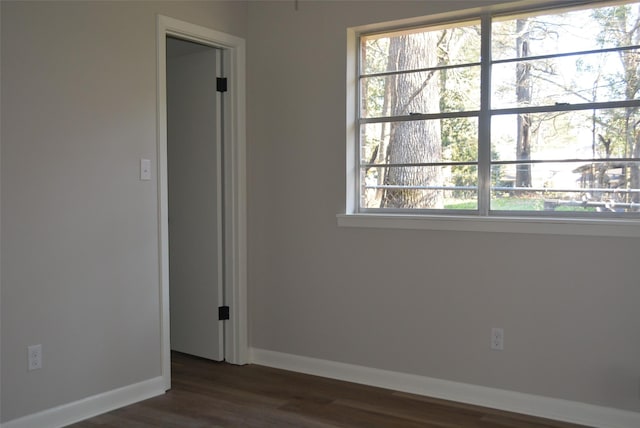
[(194, 199)]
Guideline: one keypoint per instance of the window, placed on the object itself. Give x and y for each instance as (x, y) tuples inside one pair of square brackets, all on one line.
[(534, 114)]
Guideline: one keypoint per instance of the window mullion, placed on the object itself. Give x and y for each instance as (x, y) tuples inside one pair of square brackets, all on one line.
[(420, 70), (484, 120)]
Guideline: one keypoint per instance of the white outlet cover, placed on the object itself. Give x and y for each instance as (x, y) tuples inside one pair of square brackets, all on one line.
[(34, 357), (497, 339)]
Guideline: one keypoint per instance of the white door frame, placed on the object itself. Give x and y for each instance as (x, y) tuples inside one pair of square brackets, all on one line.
[(235, 280)]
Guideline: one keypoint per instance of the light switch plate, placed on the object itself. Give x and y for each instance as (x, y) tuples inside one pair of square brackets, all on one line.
[(145, 169)]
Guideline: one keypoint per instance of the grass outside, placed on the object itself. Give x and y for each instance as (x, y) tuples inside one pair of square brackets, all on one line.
[(511, 204)]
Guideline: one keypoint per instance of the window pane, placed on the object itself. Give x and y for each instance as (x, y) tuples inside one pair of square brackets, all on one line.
[(595, 145), (421, 48), (585, 134), (567, 80), (602, 186), (433, 91), (442, 140), (433, 187), (564, 32)]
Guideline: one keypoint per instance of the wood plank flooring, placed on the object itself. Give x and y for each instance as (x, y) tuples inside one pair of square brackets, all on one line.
[(205, 394)]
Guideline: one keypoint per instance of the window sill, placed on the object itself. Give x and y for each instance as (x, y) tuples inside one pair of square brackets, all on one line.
[(549, 226)]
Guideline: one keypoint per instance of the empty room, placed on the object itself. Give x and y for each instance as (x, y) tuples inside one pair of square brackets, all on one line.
[(320, 213)]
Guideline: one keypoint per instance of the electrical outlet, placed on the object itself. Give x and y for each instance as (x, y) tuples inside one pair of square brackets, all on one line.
[(497, 339), (34, 357)]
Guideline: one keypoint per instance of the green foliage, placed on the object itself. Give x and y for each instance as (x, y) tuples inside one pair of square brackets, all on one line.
[(460, 134), (460, 139), (610, 20)]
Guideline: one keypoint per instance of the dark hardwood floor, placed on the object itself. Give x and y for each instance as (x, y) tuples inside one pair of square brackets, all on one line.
[(208, 394)]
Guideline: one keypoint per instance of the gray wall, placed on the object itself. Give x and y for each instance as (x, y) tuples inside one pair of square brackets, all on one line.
[(79, 230), (79, 251), (418, 302)]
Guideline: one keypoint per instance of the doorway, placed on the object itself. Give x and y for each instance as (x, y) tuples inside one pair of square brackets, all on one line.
[(232, 185), (195, 197)]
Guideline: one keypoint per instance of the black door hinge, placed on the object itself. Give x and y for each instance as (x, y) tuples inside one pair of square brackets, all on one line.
[(223, 313), (221, 84)]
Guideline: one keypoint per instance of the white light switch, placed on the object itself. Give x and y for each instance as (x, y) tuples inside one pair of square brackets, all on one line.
[(145, 169)]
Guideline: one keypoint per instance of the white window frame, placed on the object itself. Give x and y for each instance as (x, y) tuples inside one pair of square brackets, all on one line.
[(434, 220)]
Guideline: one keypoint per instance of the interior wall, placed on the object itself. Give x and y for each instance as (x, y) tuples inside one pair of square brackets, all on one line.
[(79, 230), (420, 302)]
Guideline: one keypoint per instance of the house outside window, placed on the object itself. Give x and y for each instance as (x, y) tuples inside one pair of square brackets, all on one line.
[(528, 113)]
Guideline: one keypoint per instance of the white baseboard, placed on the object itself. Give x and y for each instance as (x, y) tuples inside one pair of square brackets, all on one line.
[(90, 406), (534, 405)]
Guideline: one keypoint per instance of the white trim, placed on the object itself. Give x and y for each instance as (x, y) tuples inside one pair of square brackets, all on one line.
[(473, 13), (534, 405), (548, 226), (352, 154), (236, 344), (91, 406)]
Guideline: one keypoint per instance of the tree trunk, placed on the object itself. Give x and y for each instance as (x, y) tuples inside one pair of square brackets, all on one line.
[(523, 95), (413, 141)]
